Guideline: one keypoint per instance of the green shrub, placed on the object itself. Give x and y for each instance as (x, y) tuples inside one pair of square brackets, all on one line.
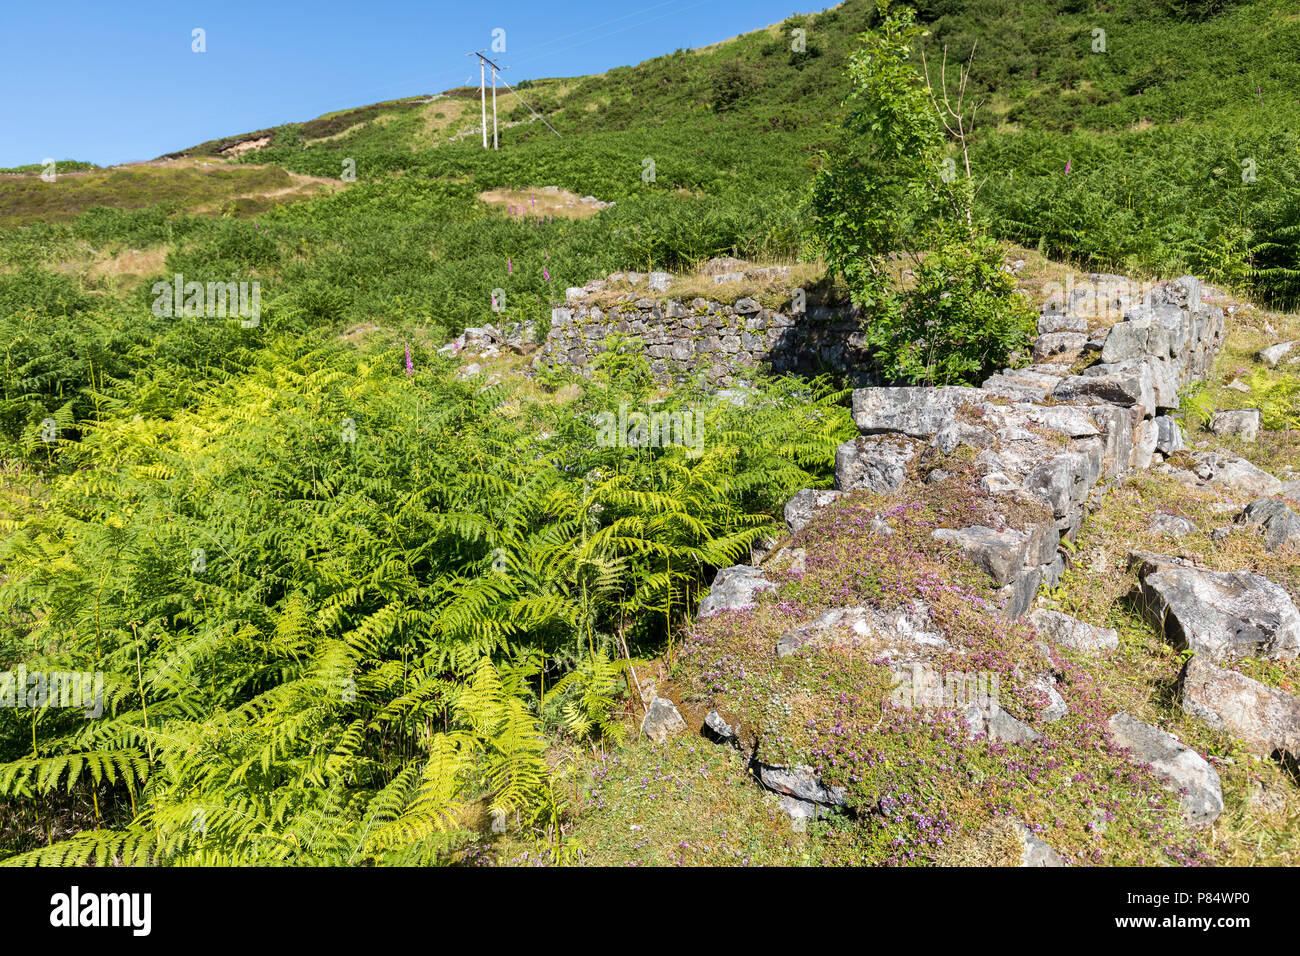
[(962, 321)]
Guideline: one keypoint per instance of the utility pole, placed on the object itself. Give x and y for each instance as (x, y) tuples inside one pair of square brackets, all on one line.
[(483, 64), (482, 99)]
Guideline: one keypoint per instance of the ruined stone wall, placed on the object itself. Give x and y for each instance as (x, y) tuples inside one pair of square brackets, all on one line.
[(702, 336)]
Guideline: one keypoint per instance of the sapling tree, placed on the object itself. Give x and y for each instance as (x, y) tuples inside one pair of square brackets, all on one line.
[(888, 192)]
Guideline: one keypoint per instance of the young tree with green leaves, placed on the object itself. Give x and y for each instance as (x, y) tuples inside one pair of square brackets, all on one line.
[(889, 191)]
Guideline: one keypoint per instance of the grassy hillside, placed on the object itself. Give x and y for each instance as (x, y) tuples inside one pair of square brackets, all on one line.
[(348, 601)]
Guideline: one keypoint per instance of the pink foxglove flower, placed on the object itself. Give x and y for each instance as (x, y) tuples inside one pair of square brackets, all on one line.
[(410, 367), (546, 275), (510, 266), (1067, 166)]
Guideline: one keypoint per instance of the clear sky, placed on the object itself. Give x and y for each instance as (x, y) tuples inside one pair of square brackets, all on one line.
[(110, 81)]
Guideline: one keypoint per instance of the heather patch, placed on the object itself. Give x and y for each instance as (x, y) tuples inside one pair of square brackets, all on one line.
[(921, 787)]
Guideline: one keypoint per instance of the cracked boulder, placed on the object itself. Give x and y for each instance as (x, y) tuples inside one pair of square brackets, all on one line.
[(800, 509), (1121, 383), (875, 463), (802, 785), (1222, 615), (1178, 766), (1265, 719), (733, 588)]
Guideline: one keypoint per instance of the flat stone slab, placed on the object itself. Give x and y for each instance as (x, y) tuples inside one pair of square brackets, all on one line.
[(1069, 632), (1222, 615), (801, 783), (1265, 719), (917, 411), (1233, 473), (1181, 768), (901, 635)]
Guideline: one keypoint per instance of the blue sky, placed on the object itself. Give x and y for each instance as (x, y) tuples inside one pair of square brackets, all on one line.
[(111, 82)]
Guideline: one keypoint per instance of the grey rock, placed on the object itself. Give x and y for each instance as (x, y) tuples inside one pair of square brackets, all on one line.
[(1237, 474), (911, 410), (1070, 632), (800, 509), (802, 783), (1058, 343), (1172, 526), (718, 729), (1275, 353), (1222, 615), (659, 281), (1034, 852), (1281, 525), (1184, 292), (1052, 321), (1243, 422), (988, 717), (1056, 707), (1016, 596), (954, 434), (1125, 384), (662, 720), (999, 553), (1265, 719), (903, 635), (1065, 480), (1182, 769), (997, 483), (1169, 437), (875, 463), (733, 588)]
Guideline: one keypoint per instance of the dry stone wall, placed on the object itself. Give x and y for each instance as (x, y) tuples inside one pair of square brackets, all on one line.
[(705, 337)]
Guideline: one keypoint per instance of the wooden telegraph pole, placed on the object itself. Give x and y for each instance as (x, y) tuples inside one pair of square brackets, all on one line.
[(483, 64)]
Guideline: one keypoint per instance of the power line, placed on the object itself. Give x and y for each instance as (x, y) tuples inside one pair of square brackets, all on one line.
[(530, 109)]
